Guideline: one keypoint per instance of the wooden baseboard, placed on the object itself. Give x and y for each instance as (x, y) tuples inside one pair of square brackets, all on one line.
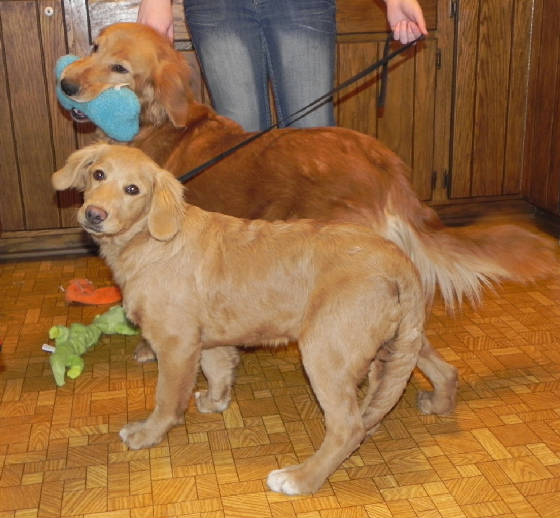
[(42, 244), (465, 212), (548, 222), (501, 211)]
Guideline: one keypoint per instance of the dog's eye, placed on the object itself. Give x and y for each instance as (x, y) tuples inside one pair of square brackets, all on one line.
[(95, 48), (98, 175), (119, 69), (132, 189)]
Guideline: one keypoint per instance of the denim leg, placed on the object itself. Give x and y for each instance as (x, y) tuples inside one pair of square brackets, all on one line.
[(301, 36), (228, 41)]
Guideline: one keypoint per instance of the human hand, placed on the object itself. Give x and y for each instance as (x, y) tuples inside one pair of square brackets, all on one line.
[(406, 20), (158, 14)]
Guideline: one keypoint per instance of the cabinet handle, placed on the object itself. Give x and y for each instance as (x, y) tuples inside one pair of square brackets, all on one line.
[(49, 10)]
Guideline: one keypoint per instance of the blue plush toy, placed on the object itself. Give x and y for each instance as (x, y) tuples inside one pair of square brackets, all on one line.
[(116, 111)]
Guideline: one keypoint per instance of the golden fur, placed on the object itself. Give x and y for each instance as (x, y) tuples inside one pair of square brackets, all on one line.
[(195, 280)]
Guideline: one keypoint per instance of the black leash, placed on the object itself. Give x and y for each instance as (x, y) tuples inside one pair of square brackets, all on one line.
[(302, 112), (384, 75)]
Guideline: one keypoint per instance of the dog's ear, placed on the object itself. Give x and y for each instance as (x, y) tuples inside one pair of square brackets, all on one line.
[(73, 174), (167, 208), (172, 90)]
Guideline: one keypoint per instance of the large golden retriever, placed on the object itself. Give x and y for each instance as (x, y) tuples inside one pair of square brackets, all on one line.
[(198, 280), (326, 174)]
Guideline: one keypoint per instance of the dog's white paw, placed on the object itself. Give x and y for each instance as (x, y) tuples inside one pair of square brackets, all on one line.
[(137, 435), (128, 429), (207, 405), (282, 481), (425, 402)]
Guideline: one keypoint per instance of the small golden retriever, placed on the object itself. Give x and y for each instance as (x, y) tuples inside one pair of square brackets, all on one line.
[(325, 174), (197, 280)]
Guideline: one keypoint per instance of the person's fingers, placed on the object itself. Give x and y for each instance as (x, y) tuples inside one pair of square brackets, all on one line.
[(406, 31), (414, 31), (401, 32), (397, 32)]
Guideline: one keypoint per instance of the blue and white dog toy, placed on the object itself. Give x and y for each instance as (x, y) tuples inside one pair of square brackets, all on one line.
[(116, 110)]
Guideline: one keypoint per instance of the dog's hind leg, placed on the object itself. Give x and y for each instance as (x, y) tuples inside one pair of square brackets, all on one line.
[(443, 377), (388, 376), (218, 365), (336, 393)]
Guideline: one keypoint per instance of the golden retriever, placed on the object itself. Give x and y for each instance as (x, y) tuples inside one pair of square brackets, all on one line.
[(197, 280), (326, 174)]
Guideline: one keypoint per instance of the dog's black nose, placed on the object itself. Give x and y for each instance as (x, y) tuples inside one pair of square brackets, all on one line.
[(68, 87), (95, 215)]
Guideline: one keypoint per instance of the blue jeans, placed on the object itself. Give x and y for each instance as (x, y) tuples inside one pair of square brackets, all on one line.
[(243, 44)]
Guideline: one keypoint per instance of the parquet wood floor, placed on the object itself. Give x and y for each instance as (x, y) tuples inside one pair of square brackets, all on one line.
[(60, 454)]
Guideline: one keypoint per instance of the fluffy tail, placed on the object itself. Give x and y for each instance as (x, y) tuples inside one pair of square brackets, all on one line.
[(461, 261)]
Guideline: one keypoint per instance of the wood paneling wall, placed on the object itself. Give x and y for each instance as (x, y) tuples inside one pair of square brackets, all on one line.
[(28, 118), (36, 134), (542, 154), (471, 108)]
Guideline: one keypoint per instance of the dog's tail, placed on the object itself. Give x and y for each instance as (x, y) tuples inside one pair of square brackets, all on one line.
[(461, 261)]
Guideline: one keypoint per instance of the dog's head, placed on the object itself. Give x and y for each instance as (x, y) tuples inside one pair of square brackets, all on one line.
[(138, 57), (125, 192)]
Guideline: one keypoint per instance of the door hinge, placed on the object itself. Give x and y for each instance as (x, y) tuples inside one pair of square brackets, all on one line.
[(438, 58), (453, 8)]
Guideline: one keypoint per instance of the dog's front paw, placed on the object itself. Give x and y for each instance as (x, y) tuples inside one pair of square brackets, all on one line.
[(290, 481), (206, 405), (139, 435)]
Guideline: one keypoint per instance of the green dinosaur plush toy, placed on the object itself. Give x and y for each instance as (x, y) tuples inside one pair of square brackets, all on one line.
[(71, 342)]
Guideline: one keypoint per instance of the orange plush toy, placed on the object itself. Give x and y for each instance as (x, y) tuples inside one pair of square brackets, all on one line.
[(83, 291)]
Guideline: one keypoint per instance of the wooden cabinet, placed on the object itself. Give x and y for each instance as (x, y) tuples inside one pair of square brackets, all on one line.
[(406, 122), (490, 97), (415, 109)]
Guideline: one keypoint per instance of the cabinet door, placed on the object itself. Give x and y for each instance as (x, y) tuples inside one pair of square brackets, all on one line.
[(36, 137), (414, 121), (490, 97), (406, 122)]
